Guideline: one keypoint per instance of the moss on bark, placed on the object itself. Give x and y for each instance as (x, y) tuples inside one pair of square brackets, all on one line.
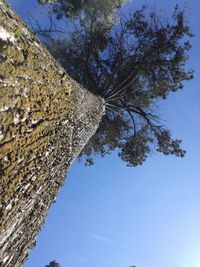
[(46, 118)]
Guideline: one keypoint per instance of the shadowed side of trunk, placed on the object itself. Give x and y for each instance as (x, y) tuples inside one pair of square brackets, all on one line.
[(46, 118)]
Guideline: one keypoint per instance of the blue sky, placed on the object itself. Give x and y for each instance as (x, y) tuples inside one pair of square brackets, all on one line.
[(110, 215)]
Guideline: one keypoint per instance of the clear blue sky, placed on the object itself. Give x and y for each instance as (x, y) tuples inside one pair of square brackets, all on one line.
[(110, 215)]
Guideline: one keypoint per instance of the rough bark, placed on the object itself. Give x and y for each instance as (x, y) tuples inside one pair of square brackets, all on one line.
[(46, 118)]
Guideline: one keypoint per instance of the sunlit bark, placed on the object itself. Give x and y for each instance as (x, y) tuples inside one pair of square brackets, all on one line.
[(46, 118)]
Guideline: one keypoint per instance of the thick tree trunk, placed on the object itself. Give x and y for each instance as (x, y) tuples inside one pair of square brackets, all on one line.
[(46, 118)]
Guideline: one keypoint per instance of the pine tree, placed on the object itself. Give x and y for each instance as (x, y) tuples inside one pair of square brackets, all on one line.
[(53, 264), (132, 65), (46, 118)]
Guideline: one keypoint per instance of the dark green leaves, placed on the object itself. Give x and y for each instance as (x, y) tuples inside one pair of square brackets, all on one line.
[(53, 264), (132, 64), (136, 148)]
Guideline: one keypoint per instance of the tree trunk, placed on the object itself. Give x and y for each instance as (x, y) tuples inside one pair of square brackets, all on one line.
[(46, 118)]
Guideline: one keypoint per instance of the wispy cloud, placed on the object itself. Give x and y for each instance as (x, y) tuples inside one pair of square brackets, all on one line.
[(100, 237)]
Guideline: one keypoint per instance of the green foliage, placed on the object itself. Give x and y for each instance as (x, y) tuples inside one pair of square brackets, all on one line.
[(136, 147), (131, 64), (53, 264), (73, 8)]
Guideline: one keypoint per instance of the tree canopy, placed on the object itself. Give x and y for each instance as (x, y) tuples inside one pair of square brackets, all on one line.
[(53, 264), (73, 8), (132, 64)]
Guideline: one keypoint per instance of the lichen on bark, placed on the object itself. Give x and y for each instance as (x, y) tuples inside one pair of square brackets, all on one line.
[(46, 118)]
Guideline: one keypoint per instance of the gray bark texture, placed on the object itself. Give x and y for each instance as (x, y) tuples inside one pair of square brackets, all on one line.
[(46, 118)]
